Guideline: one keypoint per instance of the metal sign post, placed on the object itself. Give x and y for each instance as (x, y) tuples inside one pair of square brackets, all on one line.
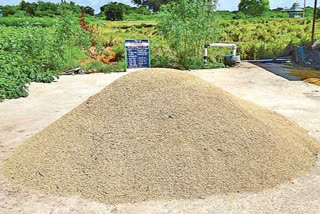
[(137, 53), (314, 19)]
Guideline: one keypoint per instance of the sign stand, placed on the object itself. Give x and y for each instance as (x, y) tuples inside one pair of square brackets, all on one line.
[(137, 54)]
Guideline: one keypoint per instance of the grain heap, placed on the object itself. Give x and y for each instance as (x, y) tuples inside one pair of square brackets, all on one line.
[(162, 134)]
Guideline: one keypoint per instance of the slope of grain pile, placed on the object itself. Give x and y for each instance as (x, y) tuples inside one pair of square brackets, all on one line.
[(162, 134)]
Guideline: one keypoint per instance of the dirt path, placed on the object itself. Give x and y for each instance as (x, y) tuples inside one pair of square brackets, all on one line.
[(299, 101)]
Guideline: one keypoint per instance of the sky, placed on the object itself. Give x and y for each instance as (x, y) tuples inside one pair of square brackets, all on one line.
[(223, 4)]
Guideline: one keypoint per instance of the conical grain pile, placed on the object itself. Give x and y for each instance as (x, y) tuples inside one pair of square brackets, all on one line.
[(162, 134)]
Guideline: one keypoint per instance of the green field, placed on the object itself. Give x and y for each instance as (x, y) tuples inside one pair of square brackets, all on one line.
[(256, 39), (39, 49)]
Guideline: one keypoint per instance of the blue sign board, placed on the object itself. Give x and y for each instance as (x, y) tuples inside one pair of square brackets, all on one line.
[(137, 53)]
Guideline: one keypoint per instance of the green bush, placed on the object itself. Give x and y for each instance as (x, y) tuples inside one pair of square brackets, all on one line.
[(187, 25), (27, 21), (33, 53)]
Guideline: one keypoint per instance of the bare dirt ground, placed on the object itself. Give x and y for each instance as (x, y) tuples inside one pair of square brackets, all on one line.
[(299, 101)]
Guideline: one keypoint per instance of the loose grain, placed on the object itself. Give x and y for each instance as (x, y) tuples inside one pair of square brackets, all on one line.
[(162, 134)]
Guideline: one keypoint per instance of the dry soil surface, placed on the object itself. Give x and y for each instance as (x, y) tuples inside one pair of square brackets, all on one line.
[(297, 100)]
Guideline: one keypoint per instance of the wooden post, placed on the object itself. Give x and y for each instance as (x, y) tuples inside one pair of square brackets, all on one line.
[(314, 19)]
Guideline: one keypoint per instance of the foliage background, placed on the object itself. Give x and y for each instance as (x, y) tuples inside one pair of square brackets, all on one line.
[(186, 25), (39, 41), (36, 53), (254, 7)]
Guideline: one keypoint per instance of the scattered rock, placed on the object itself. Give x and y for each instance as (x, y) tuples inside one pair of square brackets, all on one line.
[(74, 71)]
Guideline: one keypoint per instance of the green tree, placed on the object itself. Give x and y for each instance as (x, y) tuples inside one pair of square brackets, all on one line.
[(187, 25), (140, 10), (46, 9), (88, 10), (114, 10), (154, 5), (69, 9), (42, 8), (9, 10), (29, 8), (254, 7)]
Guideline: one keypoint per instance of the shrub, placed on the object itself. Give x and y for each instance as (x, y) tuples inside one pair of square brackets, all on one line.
[(27, 21), (34, 53), (187, 26)]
